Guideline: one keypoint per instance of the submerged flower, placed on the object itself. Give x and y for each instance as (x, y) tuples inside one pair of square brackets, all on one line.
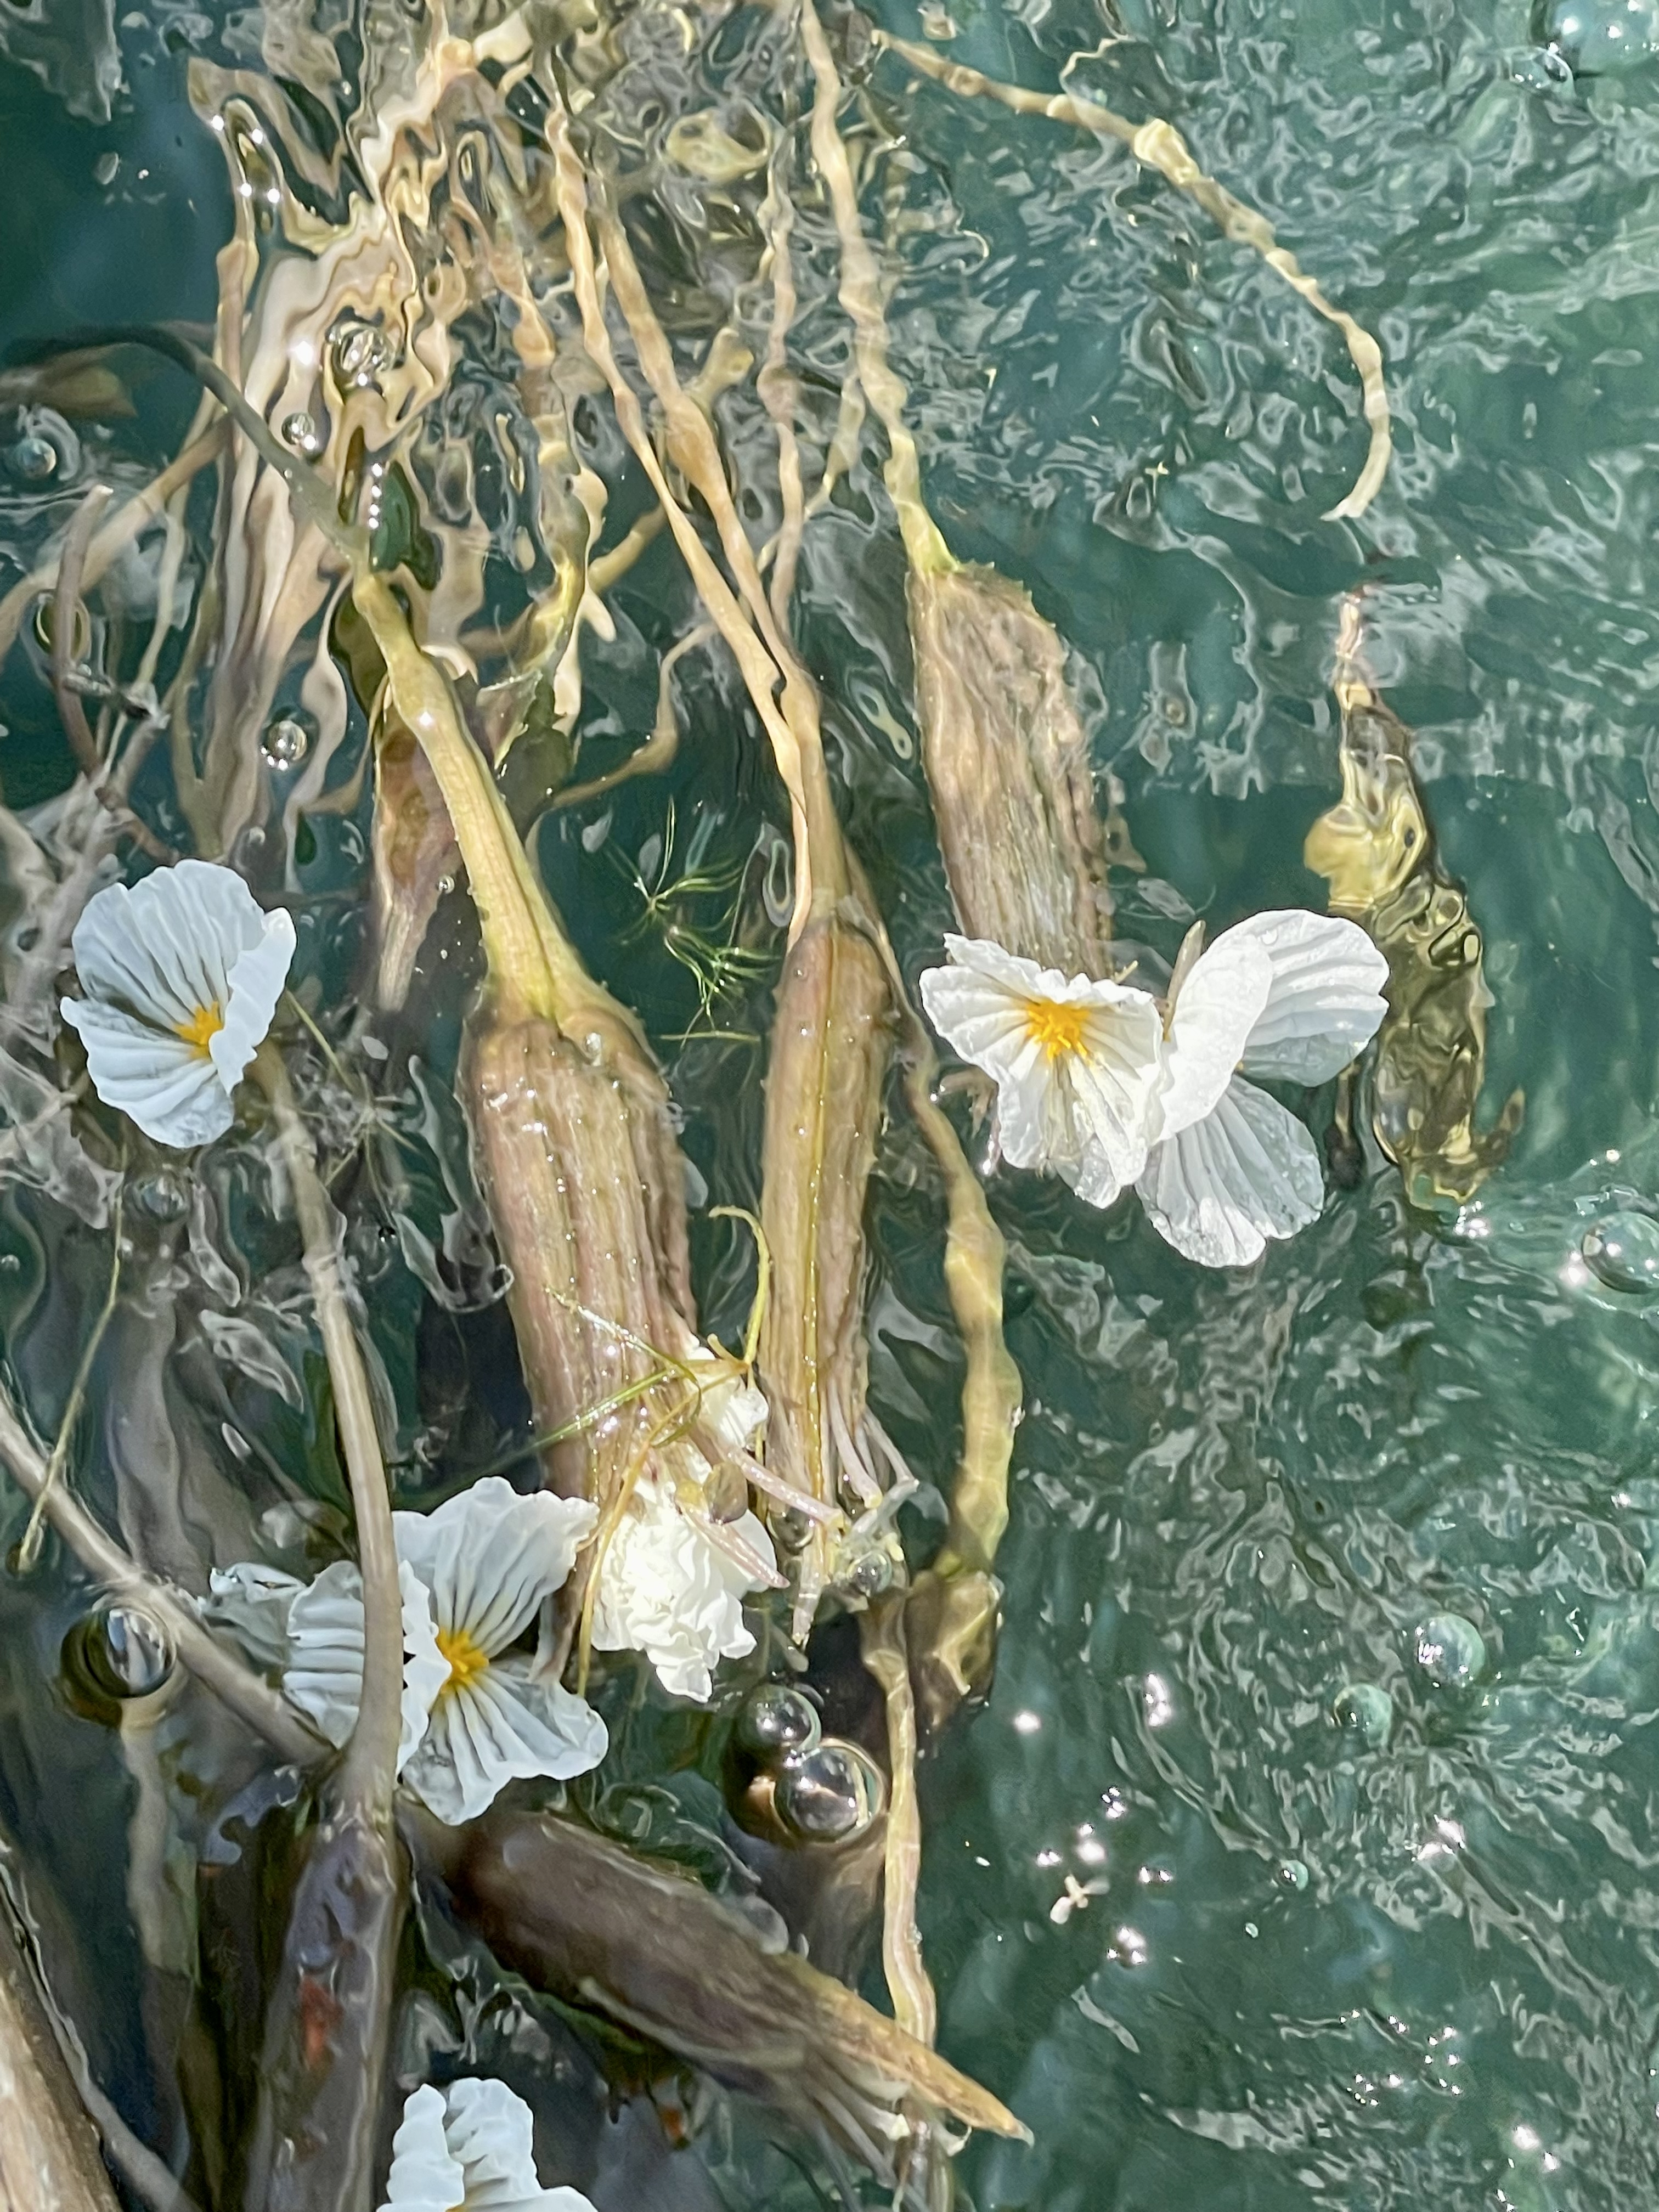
[(473, 1575), (1287, 994), (1076, 1062), (668, 1588), (182, 974), (470, 2148)]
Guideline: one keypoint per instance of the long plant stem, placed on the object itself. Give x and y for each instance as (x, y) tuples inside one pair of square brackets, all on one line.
[(369, 1774)]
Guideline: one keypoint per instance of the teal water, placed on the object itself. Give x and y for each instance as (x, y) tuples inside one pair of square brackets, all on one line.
[(1316, 1957)]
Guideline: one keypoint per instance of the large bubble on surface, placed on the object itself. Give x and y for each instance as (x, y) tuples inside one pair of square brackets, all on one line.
[(1596, 36)]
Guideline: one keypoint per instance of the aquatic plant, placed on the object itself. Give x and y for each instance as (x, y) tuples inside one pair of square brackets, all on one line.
[(441, 255)]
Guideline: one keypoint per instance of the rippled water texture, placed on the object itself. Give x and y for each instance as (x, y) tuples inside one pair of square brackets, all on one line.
[(1305, 1855)]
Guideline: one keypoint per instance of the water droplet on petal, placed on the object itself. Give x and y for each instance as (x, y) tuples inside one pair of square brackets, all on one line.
[(1366, 1710), (778, 1721), (300, 431), (284, 744), (831, 1794), (1621, 1250), (1450, 1650)]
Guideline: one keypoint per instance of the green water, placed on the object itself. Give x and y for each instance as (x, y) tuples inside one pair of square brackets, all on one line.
[(1314, 1967)]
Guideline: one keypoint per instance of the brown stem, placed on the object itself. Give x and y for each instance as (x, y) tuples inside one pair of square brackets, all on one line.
[(369, 1772)]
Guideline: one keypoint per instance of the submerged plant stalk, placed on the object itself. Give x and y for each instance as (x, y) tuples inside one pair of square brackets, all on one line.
[(582, 1917)]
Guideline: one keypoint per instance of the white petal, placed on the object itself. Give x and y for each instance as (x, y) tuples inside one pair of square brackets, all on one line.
[(425, 2176), (1089, 1113), (980, 1017), (323, 1677), (164, 947), (665, 1589), (1217, 1008), (169, 1088), (732, 1410), (252, 1601), (491, 2132), (476, 2139), (496, 1727), (256, 982), (1116, 1079), (488, 1557), (1247, 1172), (151, 959), (1326, 1003)]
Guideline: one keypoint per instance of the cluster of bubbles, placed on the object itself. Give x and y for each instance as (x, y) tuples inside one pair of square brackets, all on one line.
[(801, 1785), (1450, 1654)]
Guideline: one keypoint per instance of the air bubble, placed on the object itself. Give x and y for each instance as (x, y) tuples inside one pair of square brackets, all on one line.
[(1450, 1650), (829, 1795), (777, 1722), (1365, 1711), (300, 431), (116, 1655), (1621, 1250), (32, 460), (285, 743)]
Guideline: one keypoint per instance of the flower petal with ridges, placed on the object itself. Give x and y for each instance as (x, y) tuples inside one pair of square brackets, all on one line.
[(666, 1588), (1222, 1187), (1326, 1003), (475, 2139), (182, 974), (496, 1724), (1218, 1006), (322, 1675)]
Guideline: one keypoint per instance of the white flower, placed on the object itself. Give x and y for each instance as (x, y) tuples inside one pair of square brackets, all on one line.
[(488, 1558), (667, 1588), (1286, 994), (1077, 1063), (473, 1575), (182, 974), (470, 2148)]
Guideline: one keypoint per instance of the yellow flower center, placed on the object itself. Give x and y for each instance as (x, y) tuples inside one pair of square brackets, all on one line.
[(1057, 1027), (203, 1025), (467, 1661)]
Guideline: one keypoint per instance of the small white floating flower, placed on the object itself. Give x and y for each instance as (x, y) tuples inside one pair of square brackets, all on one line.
[(1077, 1063), (488, 1558), (473, 1575), (1288, 994), (667, 1588), (470, 2148), (182, 974)]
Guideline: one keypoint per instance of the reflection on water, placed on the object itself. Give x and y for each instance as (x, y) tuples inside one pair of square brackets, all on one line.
[(1302, 1854)]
